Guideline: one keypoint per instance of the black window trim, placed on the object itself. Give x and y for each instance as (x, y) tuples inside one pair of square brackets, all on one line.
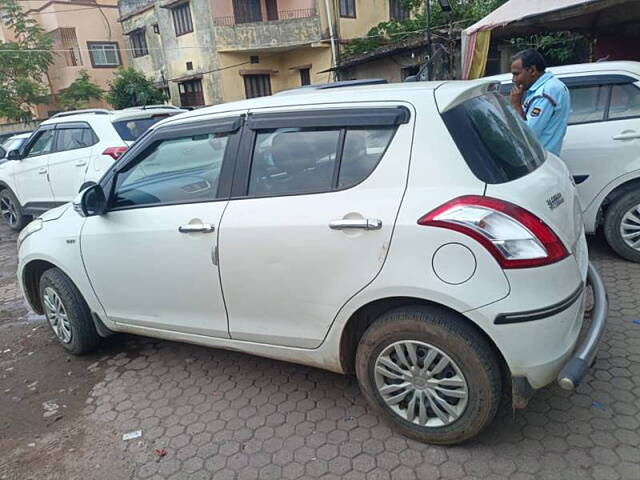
[(242, 176), (69, 126), (231, 125), (175, 16)]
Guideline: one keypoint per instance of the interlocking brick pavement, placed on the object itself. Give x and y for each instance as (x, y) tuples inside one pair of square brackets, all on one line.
[(224, 415)]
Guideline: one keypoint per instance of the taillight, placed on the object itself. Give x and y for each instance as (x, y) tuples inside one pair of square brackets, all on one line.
[(514, 236), (115, 152)]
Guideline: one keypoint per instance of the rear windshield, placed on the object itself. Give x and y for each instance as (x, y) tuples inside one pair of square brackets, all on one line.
[(130, 130), (496, 144)]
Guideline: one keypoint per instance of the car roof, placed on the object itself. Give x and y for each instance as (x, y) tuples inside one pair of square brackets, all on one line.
[(114, 115), (594, 67), (309, 96)]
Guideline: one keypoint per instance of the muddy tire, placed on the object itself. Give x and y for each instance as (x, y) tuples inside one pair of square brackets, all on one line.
[(433, 375), (11, 211), (67, 313), (622, 226)]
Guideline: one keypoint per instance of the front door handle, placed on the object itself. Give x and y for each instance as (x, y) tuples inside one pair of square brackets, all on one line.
[(196, 227), (81, 163), (627, 136), (42, 171), (361, 223)]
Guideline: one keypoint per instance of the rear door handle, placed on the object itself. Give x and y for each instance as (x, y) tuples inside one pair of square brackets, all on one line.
[(42, 171), (627, 136), (81, 163), (361, 223), (196, 227)]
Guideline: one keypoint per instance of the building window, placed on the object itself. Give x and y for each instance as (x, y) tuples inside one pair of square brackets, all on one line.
[(138, 43), (348, 8), (191, 93), (305, 76), (257, 85), (247, 11), (397, 12), (409, 71), (182, 19), (66, 41), (104, 54)]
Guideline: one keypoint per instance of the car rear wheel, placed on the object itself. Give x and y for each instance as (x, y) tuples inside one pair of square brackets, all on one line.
[(67, 313), (11, 210), (622, 226), (433, 375)]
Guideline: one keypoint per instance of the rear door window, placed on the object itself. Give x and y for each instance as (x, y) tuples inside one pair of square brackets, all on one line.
[(625, 102), (496, 144)]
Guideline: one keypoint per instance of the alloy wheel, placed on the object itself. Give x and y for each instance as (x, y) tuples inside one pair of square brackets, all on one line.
[(630, 227), (8, 211), (57, 315), (421, 383)]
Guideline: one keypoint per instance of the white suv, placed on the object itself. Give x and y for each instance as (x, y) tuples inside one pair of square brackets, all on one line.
[(415, 234), (67, 153), (602, 147)]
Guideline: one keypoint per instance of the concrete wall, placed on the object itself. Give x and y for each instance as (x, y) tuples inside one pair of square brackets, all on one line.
[(368, 14), (260, 35)]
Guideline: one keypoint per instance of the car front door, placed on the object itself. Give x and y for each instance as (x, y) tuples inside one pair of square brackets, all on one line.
[(32, 183), (152, 257), (68, 161), (316, 196), (603, 137)]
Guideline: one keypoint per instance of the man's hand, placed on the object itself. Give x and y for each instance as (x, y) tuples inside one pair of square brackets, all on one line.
[(516, 99)]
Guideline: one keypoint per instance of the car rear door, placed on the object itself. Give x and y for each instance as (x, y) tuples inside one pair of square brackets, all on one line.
[(69, 161), (315, 197)]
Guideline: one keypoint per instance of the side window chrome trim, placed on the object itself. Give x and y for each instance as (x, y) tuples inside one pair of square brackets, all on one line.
[(332, 118)]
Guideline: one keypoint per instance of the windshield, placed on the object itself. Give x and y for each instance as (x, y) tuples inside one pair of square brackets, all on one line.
[(496, 144), (130, 130)]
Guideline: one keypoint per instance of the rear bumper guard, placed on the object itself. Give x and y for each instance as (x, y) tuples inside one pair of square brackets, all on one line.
[(576, 368)]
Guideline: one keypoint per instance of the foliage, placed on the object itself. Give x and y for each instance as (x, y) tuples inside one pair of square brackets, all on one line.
[(23, 64), (130, 88), (558, 48), (79, 93), (463, 14)]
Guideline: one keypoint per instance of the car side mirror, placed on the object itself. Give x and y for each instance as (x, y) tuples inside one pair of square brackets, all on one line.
[(14, 155), (90, 202)]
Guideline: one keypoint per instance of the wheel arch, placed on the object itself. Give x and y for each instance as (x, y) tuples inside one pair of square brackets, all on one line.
[(611, 197), (364, 316), (31, 274)]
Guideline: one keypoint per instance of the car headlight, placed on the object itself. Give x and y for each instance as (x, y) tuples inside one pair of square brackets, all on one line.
[(32, 227)]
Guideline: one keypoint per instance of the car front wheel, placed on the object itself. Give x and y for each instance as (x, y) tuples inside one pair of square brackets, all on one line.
[(67, 313), (622, 226), (433, 375)]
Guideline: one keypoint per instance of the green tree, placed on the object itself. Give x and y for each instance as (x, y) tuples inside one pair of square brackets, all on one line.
[(558, 48), (79, 93), (23, 64), (131, 88)]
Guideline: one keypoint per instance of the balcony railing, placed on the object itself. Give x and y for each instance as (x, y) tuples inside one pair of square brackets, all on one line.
[(282, 15), (127, 6)]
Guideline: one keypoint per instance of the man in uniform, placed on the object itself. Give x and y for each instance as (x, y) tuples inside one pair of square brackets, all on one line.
[(540, 99)]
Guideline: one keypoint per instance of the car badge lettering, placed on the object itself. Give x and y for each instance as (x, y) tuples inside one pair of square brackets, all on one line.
[(555, 201)]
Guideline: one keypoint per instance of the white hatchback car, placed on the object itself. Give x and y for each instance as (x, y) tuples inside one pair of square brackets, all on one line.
[(415, 234), (602, 147), (67, 153)]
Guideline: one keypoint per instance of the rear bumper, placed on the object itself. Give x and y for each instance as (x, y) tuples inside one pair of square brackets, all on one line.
[(576, 368)]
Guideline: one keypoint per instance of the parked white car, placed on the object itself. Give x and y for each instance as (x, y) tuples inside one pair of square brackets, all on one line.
[(67, 153), (602, 147), (13, 143), (352, 229)]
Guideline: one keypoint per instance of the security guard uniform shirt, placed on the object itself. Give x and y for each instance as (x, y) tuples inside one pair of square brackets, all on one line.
[(546, 105)]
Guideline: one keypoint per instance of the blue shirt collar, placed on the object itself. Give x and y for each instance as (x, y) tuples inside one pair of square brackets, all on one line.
[(541, 81)]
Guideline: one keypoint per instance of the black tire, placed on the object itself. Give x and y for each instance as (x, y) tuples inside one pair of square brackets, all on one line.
[(457, 339), (612, 223), (83, 335), (11, 210)]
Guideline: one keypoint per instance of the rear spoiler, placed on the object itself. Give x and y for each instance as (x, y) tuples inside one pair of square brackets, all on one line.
[(451, 94)]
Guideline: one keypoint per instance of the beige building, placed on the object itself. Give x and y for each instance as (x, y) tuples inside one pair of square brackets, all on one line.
[(205, 52), (86, 36)]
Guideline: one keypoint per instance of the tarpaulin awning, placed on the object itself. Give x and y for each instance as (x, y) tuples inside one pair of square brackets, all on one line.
[(522, 17)]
